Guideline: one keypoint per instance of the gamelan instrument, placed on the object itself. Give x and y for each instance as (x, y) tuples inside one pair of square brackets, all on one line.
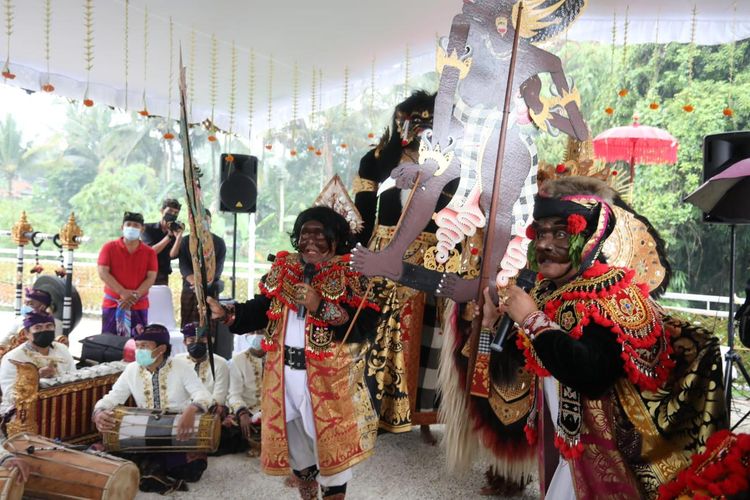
[(59, 472), (139, 430), (10, 488)]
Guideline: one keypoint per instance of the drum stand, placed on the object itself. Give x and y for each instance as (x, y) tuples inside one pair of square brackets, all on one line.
[(732, 358)]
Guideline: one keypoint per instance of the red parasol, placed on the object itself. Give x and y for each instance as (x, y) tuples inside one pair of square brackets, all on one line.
[(636, 143)]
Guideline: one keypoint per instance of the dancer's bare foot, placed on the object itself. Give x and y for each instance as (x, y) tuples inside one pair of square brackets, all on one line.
[(456, 288), (427, 436), (371, 263)]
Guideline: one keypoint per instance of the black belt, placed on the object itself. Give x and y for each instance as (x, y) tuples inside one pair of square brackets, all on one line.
[(294, 357)]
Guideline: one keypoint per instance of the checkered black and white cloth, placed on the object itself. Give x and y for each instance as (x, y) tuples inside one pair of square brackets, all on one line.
[(429, 357)]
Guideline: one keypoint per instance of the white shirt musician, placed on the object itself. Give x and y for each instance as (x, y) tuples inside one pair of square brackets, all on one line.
[(157, 382), (216, 383), (51, 358)]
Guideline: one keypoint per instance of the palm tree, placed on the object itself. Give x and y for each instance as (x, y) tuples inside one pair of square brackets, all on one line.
[(16, 156)]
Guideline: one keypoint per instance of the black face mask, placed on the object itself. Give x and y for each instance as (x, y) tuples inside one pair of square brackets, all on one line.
[(170, 217), (197, 350), (44, 338)]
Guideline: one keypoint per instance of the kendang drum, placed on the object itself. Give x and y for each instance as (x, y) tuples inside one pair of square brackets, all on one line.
[(10, 488), (59, 472), (139, 430)]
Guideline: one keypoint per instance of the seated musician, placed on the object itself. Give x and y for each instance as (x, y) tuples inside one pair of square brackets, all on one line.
[(245, 375), (156, 381), (197, 356), (51, 358), (35, 301)]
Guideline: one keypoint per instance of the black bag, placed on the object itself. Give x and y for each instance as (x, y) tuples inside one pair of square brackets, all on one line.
[(103, 348)]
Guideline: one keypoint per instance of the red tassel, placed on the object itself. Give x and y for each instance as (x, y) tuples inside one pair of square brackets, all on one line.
[(531, 434)]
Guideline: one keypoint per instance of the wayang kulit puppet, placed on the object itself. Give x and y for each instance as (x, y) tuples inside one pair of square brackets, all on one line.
[(475, 64), (402, 363)]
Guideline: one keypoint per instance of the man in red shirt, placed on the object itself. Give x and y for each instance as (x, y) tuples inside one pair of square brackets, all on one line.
[(128, 269)]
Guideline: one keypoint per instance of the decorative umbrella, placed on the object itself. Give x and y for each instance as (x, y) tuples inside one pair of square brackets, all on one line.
[(636, 143)]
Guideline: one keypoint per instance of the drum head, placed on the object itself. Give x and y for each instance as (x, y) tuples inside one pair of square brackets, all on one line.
[(56, 288)]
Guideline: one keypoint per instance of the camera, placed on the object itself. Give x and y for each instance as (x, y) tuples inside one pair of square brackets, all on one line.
[(176, 226)]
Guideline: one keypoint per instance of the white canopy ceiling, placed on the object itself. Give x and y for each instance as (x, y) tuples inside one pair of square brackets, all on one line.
[(326, 34)]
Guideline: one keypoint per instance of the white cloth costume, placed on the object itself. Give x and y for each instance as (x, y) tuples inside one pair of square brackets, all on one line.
[(219, 386), (59, 358), (300, 425), (173, 386), (245, 376)]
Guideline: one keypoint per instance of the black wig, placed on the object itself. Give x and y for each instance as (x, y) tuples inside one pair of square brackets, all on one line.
[(335, 228)]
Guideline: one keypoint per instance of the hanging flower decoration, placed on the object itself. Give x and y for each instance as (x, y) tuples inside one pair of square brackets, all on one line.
[(88, 47), (144, 111), (7, 74), (168, 136), (343, 145), (622, 92), (318, 152), (310, 148), (313, 103), (269, 146), (609, 110), (654, 105), (126, 37), (295, 107), (728, 112), (688, 108), (47, 87), (229, 158), (232, 88), (211, 138), (371, 103), (212, 86), (250, 92)]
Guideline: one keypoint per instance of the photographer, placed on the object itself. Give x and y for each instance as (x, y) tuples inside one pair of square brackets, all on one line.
[(163, 236)]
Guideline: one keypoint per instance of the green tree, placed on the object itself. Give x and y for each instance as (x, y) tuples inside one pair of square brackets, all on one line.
[(18, 157)]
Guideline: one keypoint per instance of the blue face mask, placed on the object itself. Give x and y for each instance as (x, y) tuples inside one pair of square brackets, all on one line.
[(144, 357), (255, 341), (25, 309), (131, 233)]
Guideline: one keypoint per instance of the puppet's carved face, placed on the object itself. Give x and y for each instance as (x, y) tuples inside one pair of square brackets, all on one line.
[(552, 246), (410, 126)]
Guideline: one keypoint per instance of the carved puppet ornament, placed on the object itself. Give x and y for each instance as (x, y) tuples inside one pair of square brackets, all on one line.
[(474, 64)]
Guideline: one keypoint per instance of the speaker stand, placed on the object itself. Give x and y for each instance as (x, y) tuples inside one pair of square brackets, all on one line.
[(234, 256), (732, 358)]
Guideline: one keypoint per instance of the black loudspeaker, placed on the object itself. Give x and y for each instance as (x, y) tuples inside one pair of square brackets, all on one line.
[(721, 151), (238, 190)]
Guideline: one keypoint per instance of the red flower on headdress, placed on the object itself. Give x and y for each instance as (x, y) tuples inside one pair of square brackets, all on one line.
[(576, 224), (560, 168), (531, 232)]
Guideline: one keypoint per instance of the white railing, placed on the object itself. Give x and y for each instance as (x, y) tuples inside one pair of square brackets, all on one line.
[(712, 304)]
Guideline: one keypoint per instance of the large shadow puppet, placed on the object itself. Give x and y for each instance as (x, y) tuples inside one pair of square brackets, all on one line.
[(473, 63)]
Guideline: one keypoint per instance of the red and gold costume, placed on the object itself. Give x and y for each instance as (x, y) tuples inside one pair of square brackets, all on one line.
[(345, 421)]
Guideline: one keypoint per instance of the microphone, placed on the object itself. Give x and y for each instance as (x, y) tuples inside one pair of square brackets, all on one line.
[(307, 275), (526, 280)]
